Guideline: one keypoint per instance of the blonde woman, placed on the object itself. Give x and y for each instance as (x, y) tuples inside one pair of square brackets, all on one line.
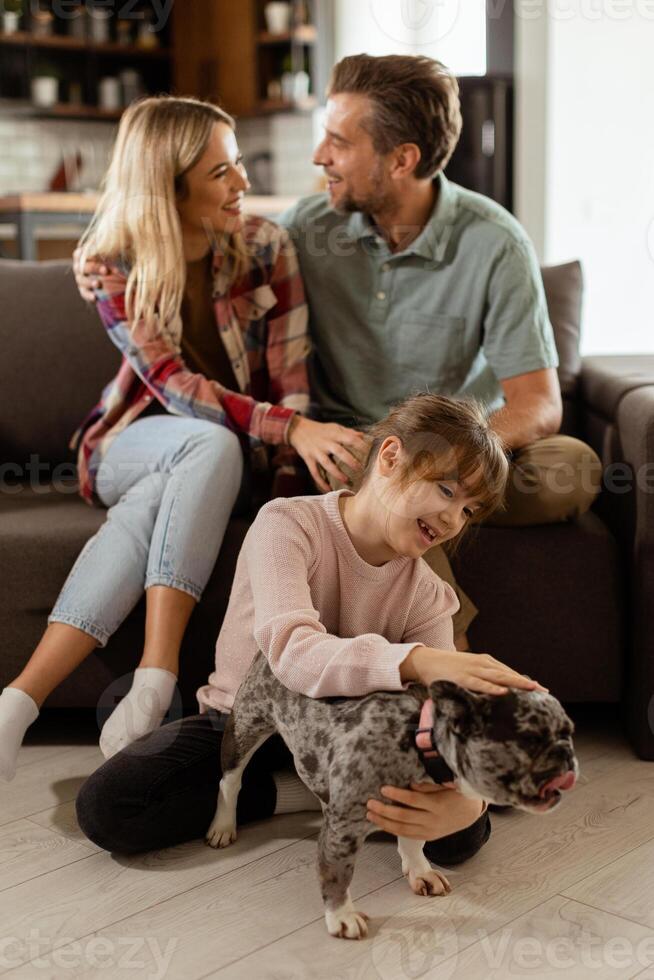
[(207, 308)]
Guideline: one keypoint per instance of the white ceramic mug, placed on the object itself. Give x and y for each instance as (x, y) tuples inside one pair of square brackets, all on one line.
[(10, 22), (109, 91), (278, 17), (301, 86), (45, 90)]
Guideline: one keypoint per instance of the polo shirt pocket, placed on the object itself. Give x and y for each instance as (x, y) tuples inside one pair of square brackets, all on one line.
[(430, 350)]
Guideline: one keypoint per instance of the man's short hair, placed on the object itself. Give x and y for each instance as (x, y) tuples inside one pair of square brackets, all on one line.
[(414, 100)]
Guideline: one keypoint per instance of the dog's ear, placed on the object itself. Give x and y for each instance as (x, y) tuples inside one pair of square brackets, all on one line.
[(455, 704)]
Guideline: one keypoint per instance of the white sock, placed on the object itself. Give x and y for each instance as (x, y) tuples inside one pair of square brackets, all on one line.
[(17, 712), (292, 794), (141, 710)]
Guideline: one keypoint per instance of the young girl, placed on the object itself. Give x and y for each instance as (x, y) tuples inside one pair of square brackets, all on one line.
[(207, 308), (332, 589)]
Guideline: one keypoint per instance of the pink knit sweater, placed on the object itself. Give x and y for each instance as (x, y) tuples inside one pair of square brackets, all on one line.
[(329, 623)]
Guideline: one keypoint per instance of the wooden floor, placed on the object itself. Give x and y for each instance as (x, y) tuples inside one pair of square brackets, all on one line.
[(568, 895)]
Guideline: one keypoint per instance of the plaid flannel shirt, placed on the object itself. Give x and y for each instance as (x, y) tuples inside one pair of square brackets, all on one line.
[(262, 321)]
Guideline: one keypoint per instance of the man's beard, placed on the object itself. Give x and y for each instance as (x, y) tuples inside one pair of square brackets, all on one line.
[(376, 201)]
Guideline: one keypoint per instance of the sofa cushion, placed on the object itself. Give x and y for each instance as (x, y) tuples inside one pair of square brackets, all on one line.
[(56, 358), (563, 291), (42, 531), (550, 603)]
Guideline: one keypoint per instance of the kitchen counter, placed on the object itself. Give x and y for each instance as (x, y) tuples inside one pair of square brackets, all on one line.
[(29, 212)]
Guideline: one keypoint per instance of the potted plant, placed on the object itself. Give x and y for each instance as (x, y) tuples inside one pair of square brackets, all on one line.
[(12, 11)]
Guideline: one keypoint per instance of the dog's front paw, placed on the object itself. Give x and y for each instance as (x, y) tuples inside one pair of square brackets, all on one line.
[(220, 834), (429, 883), (347, 923)]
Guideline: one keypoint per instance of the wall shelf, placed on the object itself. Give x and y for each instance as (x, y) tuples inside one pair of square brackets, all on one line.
[(60, 41), (79, 64), (67, 110), (303, 35)]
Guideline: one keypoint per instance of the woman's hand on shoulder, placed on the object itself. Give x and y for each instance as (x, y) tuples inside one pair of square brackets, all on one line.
[(88, 278), (318, 442)]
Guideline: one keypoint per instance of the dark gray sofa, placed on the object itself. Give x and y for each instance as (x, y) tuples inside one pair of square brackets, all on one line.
[(570, 604)]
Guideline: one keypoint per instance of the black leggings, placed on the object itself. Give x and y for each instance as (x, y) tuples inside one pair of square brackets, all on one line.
[(162, 790)]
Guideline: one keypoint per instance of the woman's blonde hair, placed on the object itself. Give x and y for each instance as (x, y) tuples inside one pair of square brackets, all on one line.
[(445, 439), (137, 222)]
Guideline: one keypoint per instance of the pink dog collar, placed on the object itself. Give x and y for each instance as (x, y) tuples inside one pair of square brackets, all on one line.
[(436, 766), (425, 731)]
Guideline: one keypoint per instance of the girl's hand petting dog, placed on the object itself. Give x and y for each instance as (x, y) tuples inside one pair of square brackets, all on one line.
[(475, 671), (430, 811)]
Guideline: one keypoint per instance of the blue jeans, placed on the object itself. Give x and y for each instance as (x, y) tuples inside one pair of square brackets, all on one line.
[(162, 790), (170, 484)]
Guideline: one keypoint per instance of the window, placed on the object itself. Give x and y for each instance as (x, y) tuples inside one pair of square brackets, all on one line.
[(454, 31)]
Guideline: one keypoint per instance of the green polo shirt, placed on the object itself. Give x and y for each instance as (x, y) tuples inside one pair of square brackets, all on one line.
[(460, 309)]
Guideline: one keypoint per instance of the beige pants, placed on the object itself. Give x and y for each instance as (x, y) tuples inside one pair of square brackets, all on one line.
[(552, 480)]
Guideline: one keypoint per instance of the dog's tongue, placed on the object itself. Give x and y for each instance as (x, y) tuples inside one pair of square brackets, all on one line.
[(566, 781)]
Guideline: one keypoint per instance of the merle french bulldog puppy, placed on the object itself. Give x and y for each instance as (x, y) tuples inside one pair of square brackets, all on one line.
[(513, 749)]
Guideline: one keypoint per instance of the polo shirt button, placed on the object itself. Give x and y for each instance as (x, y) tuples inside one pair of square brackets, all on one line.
[(381, 295), (386, 267)]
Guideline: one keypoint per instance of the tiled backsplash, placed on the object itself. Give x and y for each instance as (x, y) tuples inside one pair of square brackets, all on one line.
[(31, 150)]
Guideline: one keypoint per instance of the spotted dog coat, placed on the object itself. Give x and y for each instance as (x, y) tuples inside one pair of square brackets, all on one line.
[(513, 749)]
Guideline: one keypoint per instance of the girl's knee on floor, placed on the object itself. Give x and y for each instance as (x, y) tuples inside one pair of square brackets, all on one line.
[(98, 815)]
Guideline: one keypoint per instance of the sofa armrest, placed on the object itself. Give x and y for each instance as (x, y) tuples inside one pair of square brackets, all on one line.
[(635, 424), (603, 384), (605, 380), (618, 415), (616, 406)]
